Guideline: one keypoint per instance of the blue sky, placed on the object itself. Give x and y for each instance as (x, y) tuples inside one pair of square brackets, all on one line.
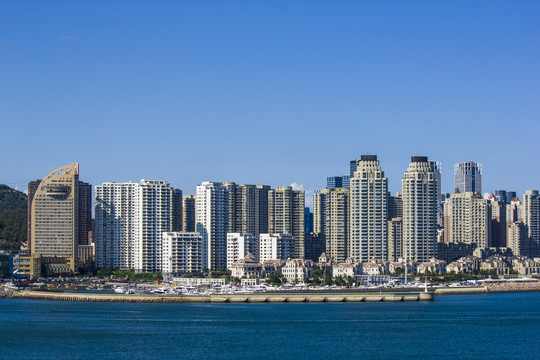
[(268, 92)]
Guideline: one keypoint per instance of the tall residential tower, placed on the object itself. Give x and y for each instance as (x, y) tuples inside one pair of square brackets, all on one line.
[(368, 228), (419, 194)]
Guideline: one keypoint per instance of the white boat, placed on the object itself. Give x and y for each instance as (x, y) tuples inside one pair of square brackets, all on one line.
[(160, 291), (119, 290)]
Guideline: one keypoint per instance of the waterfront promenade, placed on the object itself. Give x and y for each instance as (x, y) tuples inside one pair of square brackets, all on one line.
[(294, 296), (266, 297)]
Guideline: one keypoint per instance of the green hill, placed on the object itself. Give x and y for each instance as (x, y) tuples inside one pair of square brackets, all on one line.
[(11, 199), (13, 205)]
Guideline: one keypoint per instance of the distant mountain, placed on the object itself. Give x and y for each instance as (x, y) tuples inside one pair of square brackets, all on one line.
[(11, 199), (13, 204)]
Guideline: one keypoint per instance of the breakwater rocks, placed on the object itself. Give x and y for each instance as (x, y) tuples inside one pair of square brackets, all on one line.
[(6, 293), (296, 297)]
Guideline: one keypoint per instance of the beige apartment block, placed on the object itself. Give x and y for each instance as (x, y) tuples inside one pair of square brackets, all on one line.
[(368, 205), (395, 239), (55, 215), (467, 219), (286, 215), (331, 214), (419, 194)]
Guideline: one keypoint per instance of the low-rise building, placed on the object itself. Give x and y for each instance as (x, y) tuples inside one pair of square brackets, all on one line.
[(434, 266), (297, 269), (270, 267), (394, 266), (495, 263), (524, 265), (86, 252), (375, 267), (247, 268), (349, 268)]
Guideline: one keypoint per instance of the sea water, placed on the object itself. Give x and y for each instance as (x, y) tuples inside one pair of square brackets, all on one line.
[(493, 326)]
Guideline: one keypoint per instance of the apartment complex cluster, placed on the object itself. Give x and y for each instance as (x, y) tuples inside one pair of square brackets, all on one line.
[(356, 223)]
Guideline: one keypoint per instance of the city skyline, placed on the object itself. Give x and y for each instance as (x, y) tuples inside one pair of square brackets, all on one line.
[(183, 92), (448, 189)]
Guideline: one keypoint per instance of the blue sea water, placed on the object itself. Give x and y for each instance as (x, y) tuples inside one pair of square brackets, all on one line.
[(495, 326)]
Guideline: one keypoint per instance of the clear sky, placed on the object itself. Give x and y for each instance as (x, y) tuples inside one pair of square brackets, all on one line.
[(268, 92)]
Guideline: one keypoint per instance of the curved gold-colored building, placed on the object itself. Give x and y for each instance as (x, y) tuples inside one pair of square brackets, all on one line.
[(55, 215)]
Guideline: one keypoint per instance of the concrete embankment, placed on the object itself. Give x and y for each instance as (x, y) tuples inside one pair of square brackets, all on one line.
[(296, 297), (485, 290), (461, 290)]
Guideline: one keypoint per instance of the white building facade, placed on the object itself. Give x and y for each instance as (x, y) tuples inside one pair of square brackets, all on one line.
[(181, 252), (212, 223), (239, 245), (276, 247), (130, 219)]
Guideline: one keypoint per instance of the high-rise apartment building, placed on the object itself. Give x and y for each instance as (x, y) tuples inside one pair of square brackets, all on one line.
[(436, 168), (514, 212), (395, 239), (32, 188), (419, 194), (395, 206), (308, 220), (213, 223), (181, 253), (177, 216), (130, 219), (118, 224), (353, 166), (331, 216), (504, 196), (467, 219), (229, 208), (85, 213), (315, 246), (334, 182), (239, 245), (368, 206), (286, 215), (276, 247), (498, 222), (55, 215), (531, 219), (518, 239), (250, 209), (468, 177), (188, 213), (157, 208)]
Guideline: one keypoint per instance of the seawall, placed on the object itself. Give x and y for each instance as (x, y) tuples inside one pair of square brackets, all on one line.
[(297, 297), (485, 290)]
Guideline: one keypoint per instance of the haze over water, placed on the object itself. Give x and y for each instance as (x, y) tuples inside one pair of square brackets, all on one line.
[(496, 326)]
